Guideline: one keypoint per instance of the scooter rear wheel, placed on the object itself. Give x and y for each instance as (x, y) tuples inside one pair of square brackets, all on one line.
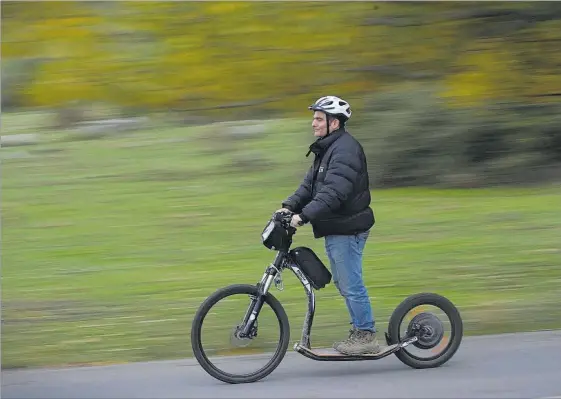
[(432, 335)]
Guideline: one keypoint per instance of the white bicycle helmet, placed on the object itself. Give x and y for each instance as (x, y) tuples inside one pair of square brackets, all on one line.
[(333, 105)]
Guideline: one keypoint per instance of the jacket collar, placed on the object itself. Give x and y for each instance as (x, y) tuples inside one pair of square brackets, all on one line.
[(319, 146)]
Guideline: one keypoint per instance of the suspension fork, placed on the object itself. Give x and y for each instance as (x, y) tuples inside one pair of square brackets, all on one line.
[(263, 288)]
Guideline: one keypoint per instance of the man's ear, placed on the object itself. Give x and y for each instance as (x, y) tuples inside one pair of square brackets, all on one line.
[(335, 124)]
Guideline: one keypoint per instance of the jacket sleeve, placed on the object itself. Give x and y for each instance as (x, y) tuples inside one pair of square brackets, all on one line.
[(340, 177), (303, 194)]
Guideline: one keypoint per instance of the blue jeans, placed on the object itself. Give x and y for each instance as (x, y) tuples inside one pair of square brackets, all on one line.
[(345, 257)]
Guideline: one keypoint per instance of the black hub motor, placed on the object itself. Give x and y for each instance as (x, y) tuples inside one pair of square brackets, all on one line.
[(428, 329)]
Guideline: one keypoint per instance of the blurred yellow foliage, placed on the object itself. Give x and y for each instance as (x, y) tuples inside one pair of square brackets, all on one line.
[(203, 54)]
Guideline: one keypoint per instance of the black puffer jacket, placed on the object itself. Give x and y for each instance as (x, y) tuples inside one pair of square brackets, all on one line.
[(335, 194)]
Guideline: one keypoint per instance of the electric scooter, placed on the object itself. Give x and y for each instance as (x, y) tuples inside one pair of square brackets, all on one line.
[(425, 331)]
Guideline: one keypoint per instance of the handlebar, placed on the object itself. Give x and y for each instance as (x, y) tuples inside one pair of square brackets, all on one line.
[(283, 217)]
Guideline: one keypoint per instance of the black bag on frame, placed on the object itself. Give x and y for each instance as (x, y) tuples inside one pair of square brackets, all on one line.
[(312, 266)]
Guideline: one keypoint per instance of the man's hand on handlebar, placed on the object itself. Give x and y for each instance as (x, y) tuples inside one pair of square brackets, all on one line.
[(296, 221)]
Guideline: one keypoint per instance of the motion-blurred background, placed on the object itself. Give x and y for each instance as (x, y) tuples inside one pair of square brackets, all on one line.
[(146, 144)]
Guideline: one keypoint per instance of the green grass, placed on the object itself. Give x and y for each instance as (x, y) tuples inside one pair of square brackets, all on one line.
[(110, 245)]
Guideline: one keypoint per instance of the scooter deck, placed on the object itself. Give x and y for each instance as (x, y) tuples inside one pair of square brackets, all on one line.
[(332, 355)]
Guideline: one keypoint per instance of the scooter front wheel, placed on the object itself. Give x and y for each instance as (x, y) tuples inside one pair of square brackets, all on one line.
[(208, 308)]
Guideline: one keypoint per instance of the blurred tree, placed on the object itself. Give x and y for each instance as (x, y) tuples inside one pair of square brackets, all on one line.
[(204, 55), (215, 54), (62, 36)]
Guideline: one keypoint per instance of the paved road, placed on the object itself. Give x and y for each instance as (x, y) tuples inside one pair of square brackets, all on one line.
[(501, 366)]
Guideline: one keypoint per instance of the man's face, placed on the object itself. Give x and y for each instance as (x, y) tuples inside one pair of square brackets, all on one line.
[(319, 124)]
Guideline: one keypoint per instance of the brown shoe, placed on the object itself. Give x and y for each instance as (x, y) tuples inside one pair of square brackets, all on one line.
[(351, 333), (360, 342)]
